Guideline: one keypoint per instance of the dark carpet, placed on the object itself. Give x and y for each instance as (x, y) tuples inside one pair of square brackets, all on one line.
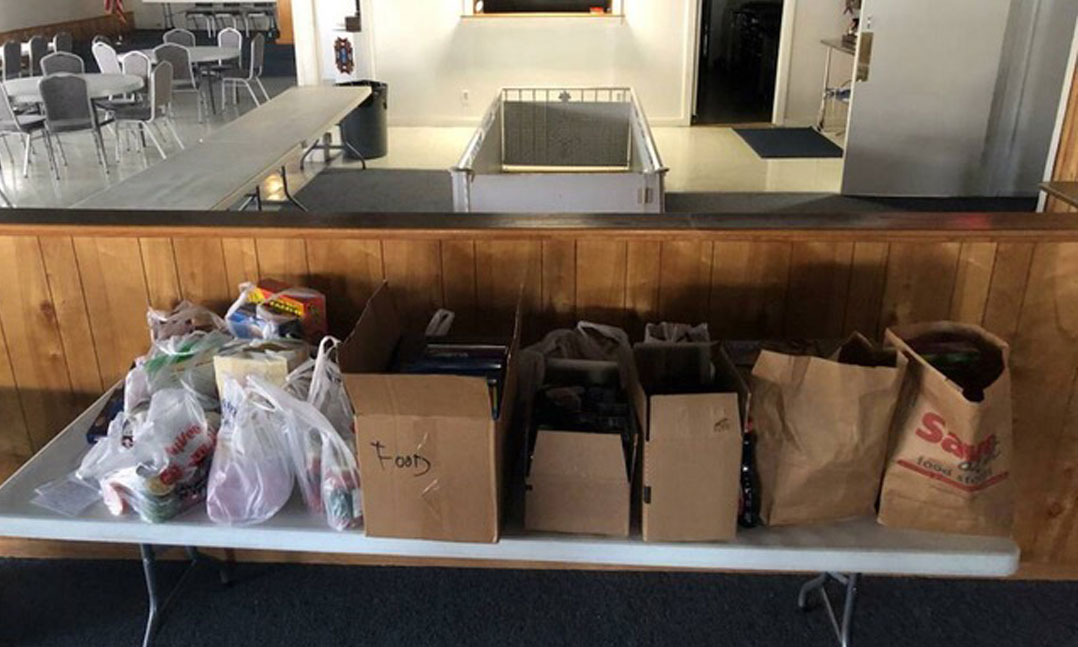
[(405, 191), (69, 603), (788, 143)]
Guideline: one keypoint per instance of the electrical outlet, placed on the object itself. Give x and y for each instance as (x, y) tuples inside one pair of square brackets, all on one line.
[(465, 97)]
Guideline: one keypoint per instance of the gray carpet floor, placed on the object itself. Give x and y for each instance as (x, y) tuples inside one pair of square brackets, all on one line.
[(77, 603), (418, 191)]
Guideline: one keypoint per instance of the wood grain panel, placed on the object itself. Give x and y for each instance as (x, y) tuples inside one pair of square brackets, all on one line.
[(414, 270), (920, 281), (973, 279), (159, 266), (458, 282), (203, 274), (284, 259), (502, 269), (33, 339), (15, 443), (1009, 276), (868, 278), (749, 285), (241, 261), (1044, 359), (116, 301), (684, 278), (559, 283), (72, 320), (601, 279), (347, 271), (819, 289), (641, 285), (1066, 162)]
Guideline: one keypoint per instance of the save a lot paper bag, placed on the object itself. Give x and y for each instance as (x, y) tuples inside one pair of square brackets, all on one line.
[(949, 467)]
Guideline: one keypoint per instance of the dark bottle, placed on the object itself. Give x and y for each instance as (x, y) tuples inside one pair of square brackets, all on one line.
[(749, 516)]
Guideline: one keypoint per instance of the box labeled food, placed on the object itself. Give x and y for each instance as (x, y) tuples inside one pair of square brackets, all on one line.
[(430, 446), (696, 411)]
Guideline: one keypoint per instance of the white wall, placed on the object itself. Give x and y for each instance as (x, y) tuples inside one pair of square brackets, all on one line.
[(810, 21), (429, 56), (1039, 37), (18, 14)]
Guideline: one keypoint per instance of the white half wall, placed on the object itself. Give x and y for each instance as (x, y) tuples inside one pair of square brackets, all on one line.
[(801, 61), (19, 14), (431, 57)]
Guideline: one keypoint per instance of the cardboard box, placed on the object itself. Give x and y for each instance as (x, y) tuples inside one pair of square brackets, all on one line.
[(581, 482), (429, 447), (692, 442)]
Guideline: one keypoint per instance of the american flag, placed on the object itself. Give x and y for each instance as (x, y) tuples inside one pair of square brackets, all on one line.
[(116, 8)]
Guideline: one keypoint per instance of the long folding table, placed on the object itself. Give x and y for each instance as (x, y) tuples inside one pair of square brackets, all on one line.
[(841, 552), (231, 162)]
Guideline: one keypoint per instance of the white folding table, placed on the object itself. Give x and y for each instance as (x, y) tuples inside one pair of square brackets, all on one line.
[(99, 86), (841, 551)]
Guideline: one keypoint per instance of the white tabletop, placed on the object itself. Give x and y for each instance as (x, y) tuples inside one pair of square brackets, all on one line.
[(859, 546), (205, 54), (100, 86)]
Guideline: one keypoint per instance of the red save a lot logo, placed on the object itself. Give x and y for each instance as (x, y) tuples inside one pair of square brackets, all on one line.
[(973, 473), (933, 428)]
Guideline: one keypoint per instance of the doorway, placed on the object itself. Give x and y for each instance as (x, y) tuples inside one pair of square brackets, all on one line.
[(738, 61)]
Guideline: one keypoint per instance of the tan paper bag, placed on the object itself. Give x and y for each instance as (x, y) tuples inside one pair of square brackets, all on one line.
[(948, 468), (822, 433)]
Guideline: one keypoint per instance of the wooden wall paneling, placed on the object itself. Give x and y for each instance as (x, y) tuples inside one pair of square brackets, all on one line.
[(749, 286), (202, 273), (159, 265), (868, 278), (33, 339), (602, 272), (684, 280), (1010, 272), (1044, 356), (973, 279), (284, 259), (502, 269), (1057, 539), (920, 282), (459, 282), (116, 300), (1066, 162), (559, 298), (819, 289), (642, 285), (414, 271), (241, 262), (347, 271), (69, 303), (15, 443)]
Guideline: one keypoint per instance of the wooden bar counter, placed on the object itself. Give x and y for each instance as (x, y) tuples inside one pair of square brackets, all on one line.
[(75, 286)]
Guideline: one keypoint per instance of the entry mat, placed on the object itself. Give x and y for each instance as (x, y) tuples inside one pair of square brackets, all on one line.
[(789, 143)]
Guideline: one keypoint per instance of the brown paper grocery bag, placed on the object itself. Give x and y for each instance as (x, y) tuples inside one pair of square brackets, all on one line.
[(822, 433), (949, 467)]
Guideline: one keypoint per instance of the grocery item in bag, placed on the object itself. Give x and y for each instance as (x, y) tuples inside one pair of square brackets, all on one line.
[(272, 359), (251, 476), (271, 309), (949, 467), (821, 429), (185, 318), (179, 362)]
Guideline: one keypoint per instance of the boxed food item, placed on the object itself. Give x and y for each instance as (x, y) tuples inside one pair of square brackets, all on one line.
[(270, 309), (950, 461), (697, 408), (430, 444)]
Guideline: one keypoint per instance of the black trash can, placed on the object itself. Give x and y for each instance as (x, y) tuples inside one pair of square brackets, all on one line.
[(365, 128)]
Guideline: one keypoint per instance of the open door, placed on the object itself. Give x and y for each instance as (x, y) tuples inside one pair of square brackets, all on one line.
[(921, 104)]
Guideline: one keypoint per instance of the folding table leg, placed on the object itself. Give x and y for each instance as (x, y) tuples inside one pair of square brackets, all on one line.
[(287, 194), (157, 605), (843, 628), (4, 199)]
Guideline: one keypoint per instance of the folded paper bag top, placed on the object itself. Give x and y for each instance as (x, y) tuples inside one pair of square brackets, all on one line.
[(822, 433), (949, 466)]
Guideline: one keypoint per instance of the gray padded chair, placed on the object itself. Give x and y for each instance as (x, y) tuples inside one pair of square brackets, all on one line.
[(251, 77), (105, 56), (136, 64), (39, 49), (63, 41), (25, 127), (204, 12), (12, 60), (148, 114), (68, 109), (180, 37), (58, 62), (184, 77)]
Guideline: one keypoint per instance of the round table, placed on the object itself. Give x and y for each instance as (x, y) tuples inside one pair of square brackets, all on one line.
[(100, 86), (202, 54)]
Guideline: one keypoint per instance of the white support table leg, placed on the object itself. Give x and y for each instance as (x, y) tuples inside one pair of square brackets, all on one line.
[(843, 628)]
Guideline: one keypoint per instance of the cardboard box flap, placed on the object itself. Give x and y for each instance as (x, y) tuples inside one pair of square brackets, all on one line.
[(698, 415), (578, 455), (369, 347), (447, 396)]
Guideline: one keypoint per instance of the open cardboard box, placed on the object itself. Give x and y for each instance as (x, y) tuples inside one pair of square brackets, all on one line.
[(430, 450), (692, 441), (581, 482)]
